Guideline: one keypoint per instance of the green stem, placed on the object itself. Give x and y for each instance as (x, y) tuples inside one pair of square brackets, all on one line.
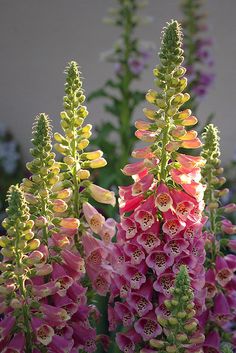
[(164, 159), (25, 308), (212, 216), (74, 173)]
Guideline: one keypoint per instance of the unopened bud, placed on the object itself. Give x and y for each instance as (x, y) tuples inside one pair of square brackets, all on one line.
[(157, 343), (61, 149), (31, 199), (83, 144), (40, 221), (161, 320), (97, 163), (191, 326), (172, 321), (92, 155), (70, 223), (149, 113), (151, 96), (33, 244), (182, 337), (181, 314), (171, 349), (59, 206), (83, 174), (69, 160)]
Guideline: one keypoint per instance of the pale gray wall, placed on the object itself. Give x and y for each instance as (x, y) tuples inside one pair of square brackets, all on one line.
[(38, 37)]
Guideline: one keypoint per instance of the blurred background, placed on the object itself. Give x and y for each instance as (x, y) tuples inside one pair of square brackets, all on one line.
[(38, 38)]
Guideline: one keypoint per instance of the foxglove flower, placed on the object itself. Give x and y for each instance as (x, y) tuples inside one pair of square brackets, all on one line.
[(160, 231)]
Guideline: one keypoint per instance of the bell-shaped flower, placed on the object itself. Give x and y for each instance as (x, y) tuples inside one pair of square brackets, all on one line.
[(93, 217)]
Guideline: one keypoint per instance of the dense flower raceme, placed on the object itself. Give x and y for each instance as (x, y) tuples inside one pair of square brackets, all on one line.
[(161, 218), (44, 303), (218, 319)]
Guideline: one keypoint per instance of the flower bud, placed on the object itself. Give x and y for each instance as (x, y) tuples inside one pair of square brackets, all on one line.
[(92, 155), (61, 149), (69, 160), (151, 96), (102, 195), (33, 245), (191, 326), (157, 343), (149, 113), (182, 337), (31, 199), (97, 163), (64, 194), (172, 321), (59, 206), (83, 144), (171, 349), (83, 174), (40, 221), (59, 138), (70, 223), (162, 321)]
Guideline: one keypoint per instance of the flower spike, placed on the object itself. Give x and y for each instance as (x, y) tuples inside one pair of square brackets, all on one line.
[(77, 162), (180, 324), (15, 271), (220, 276), (161, 220)]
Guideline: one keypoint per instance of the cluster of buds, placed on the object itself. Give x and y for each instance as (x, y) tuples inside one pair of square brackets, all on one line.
[(76, 162), (20, 258), (218, 319), (178, 323), (161, 213), (198, 58)]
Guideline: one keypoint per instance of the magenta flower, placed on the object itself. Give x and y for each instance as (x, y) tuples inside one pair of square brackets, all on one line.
[(125, 343), (148, 327), (212, 343), (136, 65)]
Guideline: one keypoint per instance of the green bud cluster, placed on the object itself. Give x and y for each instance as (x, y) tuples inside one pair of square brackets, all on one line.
[(211, 174), (76, 137), (168, 121), (20, 238), (17, 266), (212, 170), (180, 326), (39, 188), (44, 169)]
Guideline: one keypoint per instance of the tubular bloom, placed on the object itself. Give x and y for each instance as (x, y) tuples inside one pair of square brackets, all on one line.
[(161, 218), (220, 267)]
